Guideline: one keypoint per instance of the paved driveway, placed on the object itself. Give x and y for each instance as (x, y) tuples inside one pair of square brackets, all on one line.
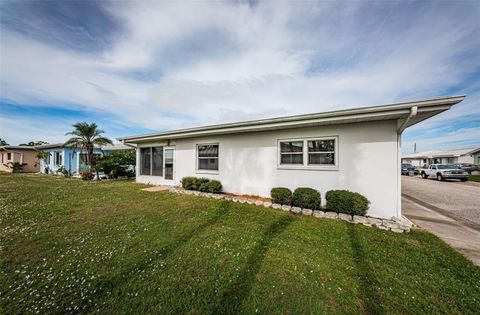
[(461, 200), (450, 210)]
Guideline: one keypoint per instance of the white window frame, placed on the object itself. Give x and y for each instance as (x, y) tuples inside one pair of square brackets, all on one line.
[(305, 165), (200, 171)]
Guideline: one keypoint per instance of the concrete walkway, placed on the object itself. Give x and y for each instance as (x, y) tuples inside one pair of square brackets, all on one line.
[(157, 188), (462, 237)]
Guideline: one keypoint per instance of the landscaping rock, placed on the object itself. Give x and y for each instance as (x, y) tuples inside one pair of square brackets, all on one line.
[(286, 208), (276, 206), (331, 215), (318, 214), (242, 200), (360, 219), (375, 221), (345, 217), (381, 227), (259, 203), (307, 211), (267, 204), (228, 198), (396, 230), (391, 224), (296, 209)]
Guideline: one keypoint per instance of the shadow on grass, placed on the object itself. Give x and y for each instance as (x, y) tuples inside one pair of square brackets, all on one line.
[(105, 286), (233, 299), (367, 282)]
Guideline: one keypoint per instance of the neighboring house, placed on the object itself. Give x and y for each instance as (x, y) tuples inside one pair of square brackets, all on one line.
[(420, 159), (69, 157), (20, 154), (107, 149), (355, 149)]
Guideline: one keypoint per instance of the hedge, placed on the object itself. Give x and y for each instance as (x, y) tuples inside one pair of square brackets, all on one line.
[(214, 187), (308, 198), (188, 183), (281, 195), (201, 184), (344, 201)]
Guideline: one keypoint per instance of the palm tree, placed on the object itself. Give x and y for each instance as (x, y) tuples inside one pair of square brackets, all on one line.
[(86, 136)]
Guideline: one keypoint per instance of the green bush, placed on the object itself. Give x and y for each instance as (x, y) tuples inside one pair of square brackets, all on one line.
[(308, 198), (281, 195), (199, 182), (344, 201), (188, 183), (214, 187)]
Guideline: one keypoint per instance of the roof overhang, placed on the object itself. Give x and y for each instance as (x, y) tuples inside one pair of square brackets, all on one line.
[(401, 112), (17, 147)]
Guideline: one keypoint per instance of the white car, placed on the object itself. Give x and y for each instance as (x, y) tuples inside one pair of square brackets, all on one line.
[(444, 171)]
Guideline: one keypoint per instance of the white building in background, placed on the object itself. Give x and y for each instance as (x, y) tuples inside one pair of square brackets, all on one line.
[(468, 155), (355, 149)]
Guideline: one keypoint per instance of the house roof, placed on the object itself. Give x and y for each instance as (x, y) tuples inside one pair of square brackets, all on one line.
[(57, 145), (116, 147), (444, 153), (396, 111), (50, 146), (17, 147)]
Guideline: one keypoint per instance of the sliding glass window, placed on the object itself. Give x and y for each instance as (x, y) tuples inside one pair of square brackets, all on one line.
[(157, 161), (151, 161)]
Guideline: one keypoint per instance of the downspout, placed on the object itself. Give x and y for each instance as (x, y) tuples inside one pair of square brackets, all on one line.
[(413, 114), (403, 126)]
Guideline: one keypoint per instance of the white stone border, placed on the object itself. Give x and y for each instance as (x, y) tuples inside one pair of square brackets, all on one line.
[(398, 225)]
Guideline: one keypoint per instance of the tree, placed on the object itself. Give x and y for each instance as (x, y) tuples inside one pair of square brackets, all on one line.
[(3, 142), (41, 155), (86, 136), (33, 143), (118, 163)]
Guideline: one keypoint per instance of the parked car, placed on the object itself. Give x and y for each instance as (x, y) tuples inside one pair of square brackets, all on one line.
[(445, 171), (469, 168), (408, 169)]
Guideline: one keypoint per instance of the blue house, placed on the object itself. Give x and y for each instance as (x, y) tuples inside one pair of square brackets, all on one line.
[(69, 158)]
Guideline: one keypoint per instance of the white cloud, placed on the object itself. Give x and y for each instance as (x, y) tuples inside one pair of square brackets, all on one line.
[(217, 62)]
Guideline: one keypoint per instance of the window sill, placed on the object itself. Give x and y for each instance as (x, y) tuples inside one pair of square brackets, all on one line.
[(308, 168), (207, 172)]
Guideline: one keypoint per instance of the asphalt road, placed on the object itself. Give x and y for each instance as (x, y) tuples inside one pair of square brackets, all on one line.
[(459, 200)]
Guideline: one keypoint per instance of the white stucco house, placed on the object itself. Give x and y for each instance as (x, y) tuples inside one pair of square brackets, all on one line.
[(466, 155), (355, 149)]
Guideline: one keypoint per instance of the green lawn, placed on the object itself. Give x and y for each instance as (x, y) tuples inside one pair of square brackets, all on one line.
[(474, 178), (108, 247)]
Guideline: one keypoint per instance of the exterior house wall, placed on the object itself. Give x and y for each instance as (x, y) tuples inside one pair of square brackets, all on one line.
[(70, 160), (476, 158), (249, 163), (467, 158), (20, 156)]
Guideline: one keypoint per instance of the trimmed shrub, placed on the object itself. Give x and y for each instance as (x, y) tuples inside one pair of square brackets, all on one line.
[(188, 183), (281, 195), (308, 198), (199, 182), (214, 187), (344, 201)]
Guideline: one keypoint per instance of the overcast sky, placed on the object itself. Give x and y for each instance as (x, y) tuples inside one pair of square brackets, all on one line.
[(136, 67)]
